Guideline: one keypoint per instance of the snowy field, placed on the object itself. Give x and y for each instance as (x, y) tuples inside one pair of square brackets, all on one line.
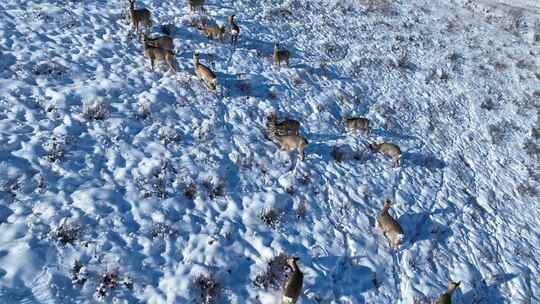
[(532, 6), (123, 185)]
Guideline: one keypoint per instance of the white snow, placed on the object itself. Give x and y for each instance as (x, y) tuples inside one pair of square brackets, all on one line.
[(148, 176)]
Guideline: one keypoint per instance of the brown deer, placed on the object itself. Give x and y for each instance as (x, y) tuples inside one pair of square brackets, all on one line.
[(446, 298), (391, 228), (234, 30), (292, 288), (196, 5), (354, 124), (204, 74), (293, 142), (214, 32), (139, 16), (285, 127), (280, 55), (388, 149), (159, 54), (164, 42)]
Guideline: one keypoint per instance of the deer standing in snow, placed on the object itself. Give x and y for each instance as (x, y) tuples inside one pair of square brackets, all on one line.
[(293, 286), (388, 149), (139, 16), (204, 74), (391, 228), (446, 298)]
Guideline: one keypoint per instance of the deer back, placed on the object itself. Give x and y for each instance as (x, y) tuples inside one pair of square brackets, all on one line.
[(196, 4), (357, 123), (204, 72), (390, 149), (388, 224), (281, 55), (293, 141), (164, 42), (287, 127)]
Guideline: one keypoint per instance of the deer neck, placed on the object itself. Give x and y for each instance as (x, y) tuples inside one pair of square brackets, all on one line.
[(294, 267), (451, 289)]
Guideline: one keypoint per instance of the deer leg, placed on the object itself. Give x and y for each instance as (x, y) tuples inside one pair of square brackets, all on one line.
[(388, 239), (132, 29), (172, 65)]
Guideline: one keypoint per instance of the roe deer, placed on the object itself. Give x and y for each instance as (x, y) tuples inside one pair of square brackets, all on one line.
[(158, 54), (204, 74), (293, 286), (196, 5), (293, 142), (285, 127), (234, 30), (446, 298), (139, 16), (353, 124), (391, 228), (164, 42), (214, 32), (280, 55), (388, 149)]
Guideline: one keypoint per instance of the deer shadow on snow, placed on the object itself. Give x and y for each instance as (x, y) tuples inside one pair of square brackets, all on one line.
[(382, 133), (343, 275), (420, 227), (410, 160), (252, 86), (485, 292)]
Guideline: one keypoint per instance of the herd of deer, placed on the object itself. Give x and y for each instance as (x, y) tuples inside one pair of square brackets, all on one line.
[(285, 132), (162, 48), (393, 231), (292, 288)]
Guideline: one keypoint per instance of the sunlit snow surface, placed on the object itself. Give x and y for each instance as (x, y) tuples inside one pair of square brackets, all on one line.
[(148, 177)]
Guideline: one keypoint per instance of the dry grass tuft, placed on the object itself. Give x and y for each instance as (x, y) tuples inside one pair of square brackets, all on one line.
[(206, 289)]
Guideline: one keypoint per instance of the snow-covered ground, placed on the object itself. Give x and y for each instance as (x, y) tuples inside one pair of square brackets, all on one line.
[(119, 184), (528, 5)]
